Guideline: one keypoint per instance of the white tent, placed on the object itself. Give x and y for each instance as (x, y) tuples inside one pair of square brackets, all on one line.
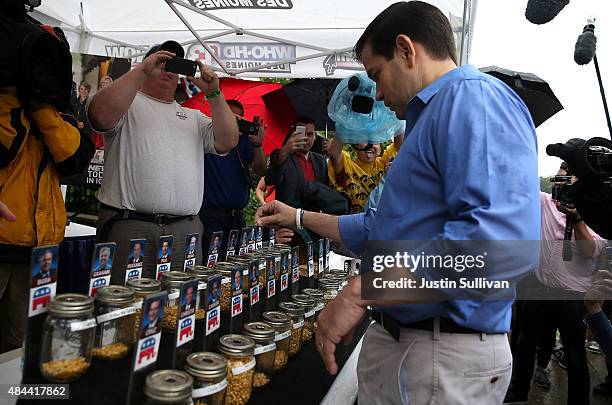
[(245, 38)]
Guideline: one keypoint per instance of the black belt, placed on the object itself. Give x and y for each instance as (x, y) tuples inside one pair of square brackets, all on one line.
[(158, 219), (393, 326), (223, 212)]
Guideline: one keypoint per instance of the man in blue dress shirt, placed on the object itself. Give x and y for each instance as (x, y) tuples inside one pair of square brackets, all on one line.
[(467, 171)]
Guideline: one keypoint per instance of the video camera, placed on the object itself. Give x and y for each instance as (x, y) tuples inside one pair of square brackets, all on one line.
[(35, 58), (591, 162)]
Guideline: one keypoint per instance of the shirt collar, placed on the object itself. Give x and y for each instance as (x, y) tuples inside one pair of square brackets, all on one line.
[(422, 98)]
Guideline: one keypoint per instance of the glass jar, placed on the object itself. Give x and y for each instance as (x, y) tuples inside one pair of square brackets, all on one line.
[(114, 310), (341, 279), (318, 297), (68, 337), (200, 273), (225, 269), (171, 282), (296, 313), (142, 287), (208, 371), (282, 336), (265, 351), (239, 351), (329, 288), (168, 387), (308, 304)]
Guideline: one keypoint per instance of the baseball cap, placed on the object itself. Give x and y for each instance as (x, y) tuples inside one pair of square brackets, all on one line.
[(170, 46)]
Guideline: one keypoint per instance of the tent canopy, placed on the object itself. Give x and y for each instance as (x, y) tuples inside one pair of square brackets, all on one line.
[(246, 38)]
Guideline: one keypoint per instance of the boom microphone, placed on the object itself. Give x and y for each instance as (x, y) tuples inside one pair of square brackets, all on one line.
[(585, 45), (542, 11)]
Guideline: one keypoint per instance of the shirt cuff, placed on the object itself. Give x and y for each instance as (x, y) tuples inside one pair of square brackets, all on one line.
[(354, 229)]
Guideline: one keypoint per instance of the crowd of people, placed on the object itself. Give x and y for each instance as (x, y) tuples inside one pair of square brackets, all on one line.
[(171, 170)]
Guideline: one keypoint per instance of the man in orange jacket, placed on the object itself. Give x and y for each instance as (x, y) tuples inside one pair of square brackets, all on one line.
[(37, 146)]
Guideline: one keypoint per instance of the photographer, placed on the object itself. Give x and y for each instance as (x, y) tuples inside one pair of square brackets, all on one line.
[(228, 182), (154, 156), (563, 284), (36, 147)]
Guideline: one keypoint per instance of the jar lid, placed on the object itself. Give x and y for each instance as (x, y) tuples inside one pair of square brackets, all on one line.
[(276, 318), (71, 304), (260, 332), (200, 273), (314, 293), (144, 285), (168, 386), (235, 345), (206, 366), (115, 294), (329, 283), (291, 308), (174, 278), (304, 300)]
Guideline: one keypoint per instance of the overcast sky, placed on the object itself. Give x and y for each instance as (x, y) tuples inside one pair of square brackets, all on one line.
[(504, 37)]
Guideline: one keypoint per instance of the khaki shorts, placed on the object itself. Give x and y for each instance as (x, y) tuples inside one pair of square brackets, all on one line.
[(14, 292)]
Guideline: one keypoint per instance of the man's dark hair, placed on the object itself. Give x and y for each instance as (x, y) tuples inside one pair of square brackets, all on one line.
[(237, 104), (420, 21)]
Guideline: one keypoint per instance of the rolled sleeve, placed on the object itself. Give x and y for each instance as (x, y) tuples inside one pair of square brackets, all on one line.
[(354, 229)]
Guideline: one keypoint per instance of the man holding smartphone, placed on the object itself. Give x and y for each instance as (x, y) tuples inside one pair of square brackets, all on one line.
[(228, 181), (153, 178), (294, 165)]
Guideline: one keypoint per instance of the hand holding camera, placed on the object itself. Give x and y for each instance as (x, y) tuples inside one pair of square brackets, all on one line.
[(208, 81), (257, 138), (153, 65), (298, 141)]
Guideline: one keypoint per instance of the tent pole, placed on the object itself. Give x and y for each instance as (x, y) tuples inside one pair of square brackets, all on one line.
[(463, 29), (195, 34), (204, 13)]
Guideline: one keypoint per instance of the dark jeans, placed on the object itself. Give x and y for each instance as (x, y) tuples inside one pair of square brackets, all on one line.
[(540, 317), (213, 222)]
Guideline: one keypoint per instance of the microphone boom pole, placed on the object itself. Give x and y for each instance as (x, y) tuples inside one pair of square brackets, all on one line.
[(603, 94)]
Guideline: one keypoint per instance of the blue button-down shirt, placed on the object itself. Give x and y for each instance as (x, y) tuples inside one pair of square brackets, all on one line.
[(467, 171)]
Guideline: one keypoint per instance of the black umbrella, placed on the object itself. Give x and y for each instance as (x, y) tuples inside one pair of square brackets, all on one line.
[(310, 97), (535, 92)]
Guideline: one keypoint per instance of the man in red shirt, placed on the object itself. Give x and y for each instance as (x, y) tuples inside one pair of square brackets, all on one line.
[(295, 165)]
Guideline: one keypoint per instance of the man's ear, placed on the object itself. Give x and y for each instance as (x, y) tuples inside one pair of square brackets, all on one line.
[(405, 50)]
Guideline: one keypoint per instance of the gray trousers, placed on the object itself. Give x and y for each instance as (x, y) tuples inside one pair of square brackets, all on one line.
[(122, 231), (427, 367)]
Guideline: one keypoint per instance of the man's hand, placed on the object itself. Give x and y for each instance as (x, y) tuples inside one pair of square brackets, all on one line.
[(325, 146), (208, 81), (257, 139), (284, 235), (295, 143), (601, 289), (275, 213), (80, 125), (153, 65), (337, 322), (6, 213), (570, 212)]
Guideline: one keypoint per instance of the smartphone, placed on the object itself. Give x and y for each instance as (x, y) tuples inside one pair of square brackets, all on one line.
[(181, 66), (247, 127), (301, 130)]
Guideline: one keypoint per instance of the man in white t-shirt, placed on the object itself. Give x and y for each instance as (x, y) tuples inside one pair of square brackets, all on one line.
[(154, 154)]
